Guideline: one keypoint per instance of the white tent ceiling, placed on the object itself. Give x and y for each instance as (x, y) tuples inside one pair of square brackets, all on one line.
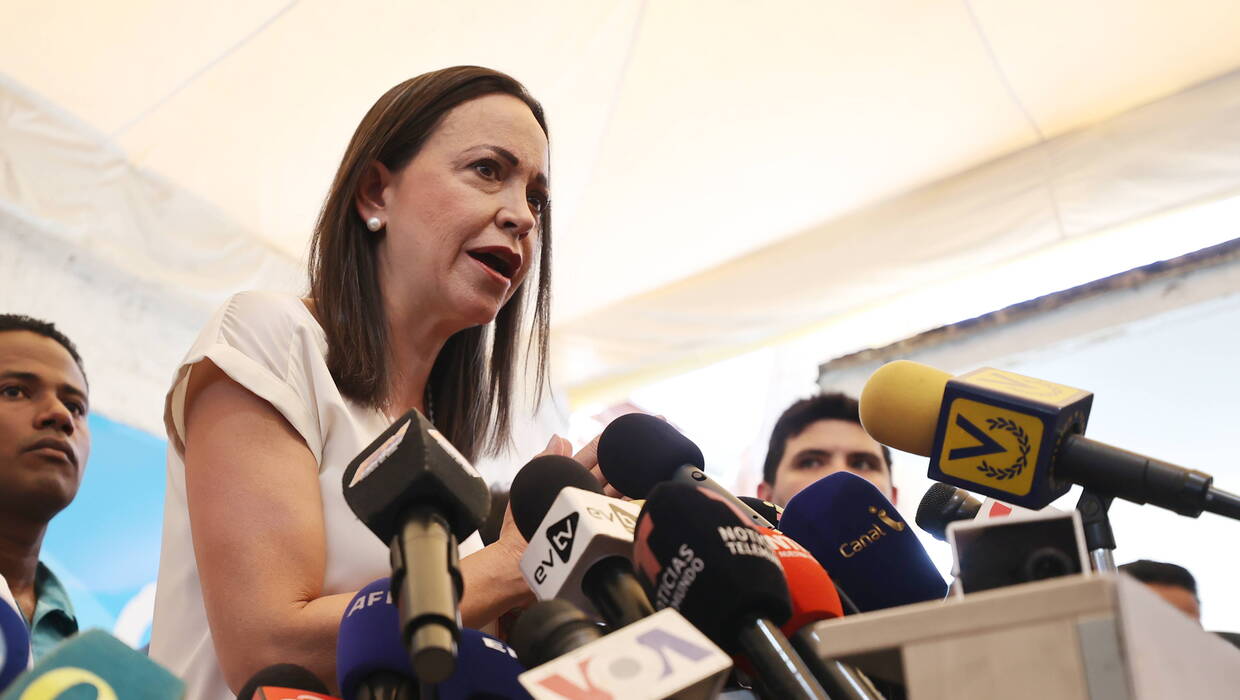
[(687, 136)]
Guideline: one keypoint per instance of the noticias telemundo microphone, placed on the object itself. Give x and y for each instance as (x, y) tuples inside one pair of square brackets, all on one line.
[(696, 552)]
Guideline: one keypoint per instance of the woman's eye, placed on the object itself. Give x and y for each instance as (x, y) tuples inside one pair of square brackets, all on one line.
[(538, 203), (488, 169)]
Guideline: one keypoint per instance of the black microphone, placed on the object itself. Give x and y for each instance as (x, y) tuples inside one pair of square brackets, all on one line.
[(420, 496), (284, 676), (1019, 440), (579, 540), (766, 509), (549, 629), (697, 553), (638, 452), (943, 505)]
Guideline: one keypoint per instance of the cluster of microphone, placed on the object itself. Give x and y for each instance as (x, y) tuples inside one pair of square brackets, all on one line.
[(731, 586), (680, 589)]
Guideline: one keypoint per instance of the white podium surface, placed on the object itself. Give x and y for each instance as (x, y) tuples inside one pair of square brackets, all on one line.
[(1089, 637)]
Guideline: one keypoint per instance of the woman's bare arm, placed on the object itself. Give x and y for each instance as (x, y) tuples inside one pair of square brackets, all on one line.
[(257, 523), (256, 516)]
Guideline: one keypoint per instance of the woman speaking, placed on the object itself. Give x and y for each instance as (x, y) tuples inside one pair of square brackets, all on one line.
[(436, 216)]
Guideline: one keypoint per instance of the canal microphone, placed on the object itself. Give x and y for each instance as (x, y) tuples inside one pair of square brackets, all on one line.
[(860, 539)]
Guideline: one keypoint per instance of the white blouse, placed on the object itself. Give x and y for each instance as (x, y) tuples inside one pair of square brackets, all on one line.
[(270, 344)]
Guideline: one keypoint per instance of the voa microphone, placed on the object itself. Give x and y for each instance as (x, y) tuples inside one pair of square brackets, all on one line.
[(660, 656), (419, 496), (580, 541), (1020, 440)]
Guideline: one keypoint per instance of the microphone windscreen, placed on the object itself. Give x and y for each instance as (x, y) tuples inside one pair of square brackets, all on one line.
[(282, 676), (550, 628), (370, 642), (14, 644), (539, 483), (766, 509), (899, 405), (695, 552), (369, 639), (486, 669), (942, 505), (637, 452), (94, 664), (810, 587), (858, 537)]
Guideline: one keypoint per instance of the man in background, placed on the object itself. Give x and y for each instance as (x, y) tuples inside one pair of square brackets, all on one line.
[(44, 443), (1172, 583), (818, 436)]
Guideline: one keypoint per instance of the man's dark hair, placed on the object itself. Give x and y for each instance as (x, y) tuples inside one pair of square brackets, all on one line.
[(1147, 571), (801, 415), (18, 322)]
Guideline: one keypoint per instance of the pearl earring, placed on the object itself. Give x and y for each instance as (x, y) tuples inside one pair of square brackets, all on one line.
[(373, 223)]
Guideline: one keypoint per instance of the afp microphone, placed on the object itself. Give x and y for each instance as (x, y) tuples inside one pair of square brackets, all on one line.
[(371, 662), (96, 660), (697, 553), (637, 452), (420, 497), (579, 540), (858, 537), (1019, 440)]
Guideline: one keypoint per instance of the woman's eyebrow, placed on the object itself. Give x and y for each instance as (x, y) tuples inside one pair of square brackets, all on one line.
[(513, 160)]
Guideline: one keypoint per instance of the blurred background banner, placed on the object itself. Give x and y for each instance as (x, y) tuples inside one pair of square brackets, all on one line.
[(751, 201), (105, 545)]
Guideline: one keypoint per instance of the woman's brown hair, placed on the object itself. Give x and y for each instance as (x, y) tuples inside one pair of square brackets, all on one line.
[(471, 383)]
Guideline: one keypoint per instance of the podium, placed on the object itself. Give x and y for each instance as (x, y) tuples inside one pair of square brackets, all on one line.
[(1087, 637)]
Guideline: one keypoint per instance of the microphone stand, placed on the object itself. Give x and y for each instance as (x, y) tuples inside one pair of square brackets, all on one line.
[(1099, 539)]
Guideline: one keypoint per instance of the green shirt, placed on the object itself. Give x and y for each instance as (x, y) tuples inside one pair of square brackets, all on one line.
[(54, 620)]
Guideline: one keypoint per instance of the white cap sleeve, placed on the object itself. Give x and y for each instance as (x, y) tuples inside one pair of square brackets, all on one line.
[(259, 339)]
